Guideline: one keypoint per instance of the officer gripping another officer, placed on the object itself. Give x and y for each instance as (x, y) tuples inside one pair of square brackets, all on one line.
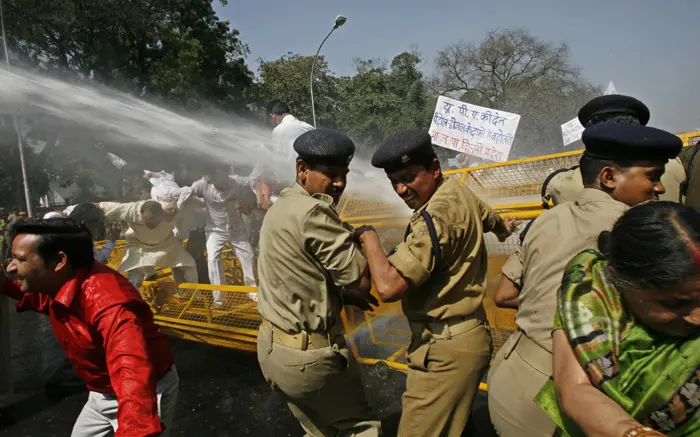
[(439, 274), (308, 267)]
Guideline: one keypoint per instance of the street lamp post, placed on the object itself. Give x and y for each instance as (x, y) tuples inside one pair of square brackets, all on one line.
[(339, 21), (27, 196)]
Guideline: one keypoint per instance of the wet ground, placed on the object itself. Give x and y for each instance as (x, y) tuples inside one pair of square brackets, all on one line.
[(222, 392)]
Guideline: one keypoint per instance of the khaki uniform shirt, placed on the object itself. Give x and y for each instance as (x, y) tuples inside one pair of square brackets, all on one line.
[(692, 197), (553, 239), (513, 268), (147, 247), (456, 287), (306, 254)]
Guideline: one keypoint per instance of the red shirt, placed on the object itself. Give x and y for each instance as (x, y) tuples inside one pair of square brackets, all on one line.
[(107, 331)]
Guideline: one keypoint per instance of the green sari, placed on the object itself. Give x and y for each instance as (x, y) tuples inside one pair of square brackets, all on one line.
[(654, 377)]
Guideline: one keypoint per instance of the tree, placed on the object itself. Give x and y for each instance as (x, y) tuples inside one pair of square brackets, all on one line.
[(513, 71), (173, 50), (11, 180), (287, 79), (378, 101)]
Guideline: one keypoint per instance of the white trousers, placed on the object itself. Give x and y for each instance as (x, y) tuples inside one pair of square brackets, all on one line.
[(99, 415), (216, 241), (180, 274)]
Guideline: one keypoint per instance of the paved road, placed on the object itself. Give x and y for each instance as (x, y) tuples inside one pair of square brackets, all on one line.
[(222, 392)]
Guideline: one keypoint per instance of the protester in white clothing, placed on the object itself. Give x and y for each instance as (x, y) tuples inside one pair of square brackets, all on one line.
[(190, 210), (220, 193), (150, 242), (287, 129)]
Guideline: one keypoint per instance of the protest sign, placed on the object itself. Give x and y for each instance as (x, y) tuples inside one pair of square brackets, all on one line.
[(474, 130)]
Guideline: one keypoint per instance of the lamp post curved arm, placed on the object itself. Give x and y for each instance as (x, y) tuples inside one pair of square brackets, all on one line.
[(339, 21)]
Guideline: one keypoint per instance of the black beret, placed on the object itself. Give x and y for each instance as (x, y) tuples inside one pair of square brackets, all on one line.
[(611, 105), (325, 146), (403, 148), (616, 141)]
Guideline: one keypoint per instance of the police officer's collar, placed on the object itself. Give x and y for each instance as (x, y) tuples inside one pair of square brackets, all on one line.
[(298, 189), (590, 195)]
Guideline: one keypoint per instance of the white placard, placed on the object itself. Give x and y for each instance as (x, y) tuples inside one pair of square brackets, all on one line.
[(571, 130), (474, 130)]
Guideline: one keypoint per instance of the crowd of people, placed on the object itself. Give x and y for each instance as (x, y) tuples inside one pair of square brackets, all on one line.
[(605, 285)]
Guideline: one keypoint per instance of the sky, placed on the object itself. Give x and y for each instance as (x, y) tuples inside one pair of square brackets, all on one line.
[(648, 48)]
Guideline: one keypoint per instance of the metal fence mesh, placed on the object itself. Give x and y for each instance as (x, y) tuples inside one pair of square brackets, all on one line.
[(186, 311)]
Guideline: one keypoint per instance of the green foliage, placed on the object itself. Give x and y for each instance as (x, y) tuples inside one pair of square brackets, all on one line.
[(180, 54), (288, 79), (378, 101), (171, 50)]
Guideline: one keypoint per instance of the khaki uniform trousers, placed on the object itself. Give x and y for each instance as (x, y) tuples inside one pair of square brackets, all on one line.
[(519, 371), (445, 369), (322, 385)]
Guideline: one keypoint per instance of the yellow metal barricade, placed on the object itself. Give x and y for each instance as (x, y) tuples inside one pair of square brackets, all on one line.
[(380, 337)]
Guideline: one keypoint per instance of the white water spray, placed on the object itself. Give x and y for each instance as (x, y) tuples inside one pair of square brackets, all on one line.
[(123, 119)]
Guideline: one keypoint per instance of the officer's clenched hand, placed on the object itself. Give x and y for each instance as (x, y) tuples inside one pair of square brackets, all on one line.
[(361, 231), (365, 303)]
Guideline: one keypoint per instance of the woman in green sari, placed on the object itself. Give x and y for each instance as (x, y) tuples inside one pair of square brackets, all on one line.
[(626, 334)]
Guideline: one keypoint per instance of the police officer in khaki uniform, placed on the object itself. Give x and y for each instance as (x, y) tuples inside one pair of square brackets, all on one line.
[(689, 158), (621, 167), (613, 108), (565, 185), (308, 265), (439, 274)]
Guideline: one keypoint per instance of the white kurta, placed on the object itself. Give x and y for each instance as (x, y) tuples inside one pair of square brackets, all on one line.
[(191, 212), (147, 247)]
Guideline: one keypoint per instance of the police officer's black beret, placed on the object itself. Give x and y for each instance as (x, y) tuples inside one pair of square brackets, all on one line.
[(614, 104), (325, 146), (403, 148), (630, 141)]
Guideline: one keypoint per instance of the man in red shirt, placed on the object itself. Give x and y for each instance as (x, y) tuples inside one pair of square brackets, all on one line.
[(102, 323)]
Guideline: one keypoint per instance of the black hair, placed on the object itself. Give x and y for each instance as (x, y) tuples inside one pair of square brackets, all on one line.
[(87, 212), (152, 206), (591, 167), (91, 217), (613, 118), (653, 246), (246, 196), (277, 107), (59, 235)]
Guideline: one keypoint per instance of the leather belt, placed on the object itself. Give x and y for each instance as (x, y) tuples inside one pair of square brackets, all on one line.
[(304, 340), (445, 329)]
